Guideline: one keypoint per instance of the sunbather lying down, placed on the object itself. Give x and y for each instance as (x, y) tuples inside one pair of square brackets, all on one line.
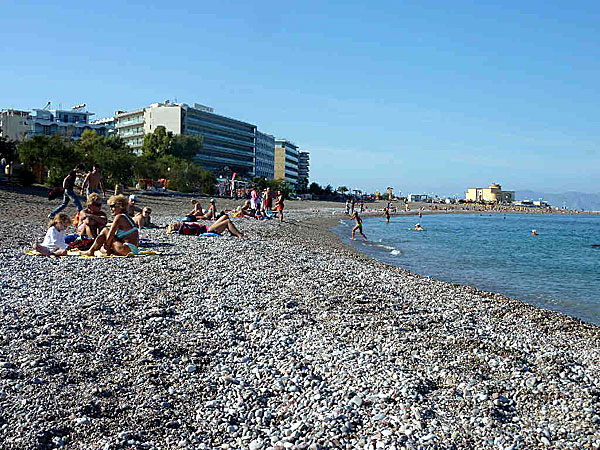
[(222, 224)]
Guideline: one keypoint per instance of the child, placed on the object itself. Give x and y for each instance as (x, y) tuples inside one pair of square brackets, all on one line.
[(358, 225), (54, 241)]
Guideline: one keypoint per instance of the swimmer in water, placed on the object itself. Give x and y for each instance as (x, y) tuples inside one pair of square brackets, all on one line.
[(418, 227), (534, 233)]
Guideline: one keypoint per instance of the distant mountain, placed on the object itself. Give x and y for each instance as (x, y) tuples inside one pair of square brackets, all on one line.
[(573, 200)]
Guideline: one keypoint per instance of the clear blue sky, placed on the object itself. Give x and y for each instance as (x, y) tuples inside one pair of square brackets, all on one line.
[(426, 97)]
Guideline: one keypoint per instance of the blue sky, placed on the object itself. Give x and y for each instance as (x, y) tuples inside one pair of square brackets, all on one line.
[(426, 97)]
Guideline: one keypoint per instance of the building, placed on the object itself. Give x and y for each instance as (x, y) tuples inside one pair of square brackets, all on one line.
[(303, 170), (14, 124), (228, 144), (109, 122), (492, 194), (69, 123), (265, 156), (286, 161), (418, 198)]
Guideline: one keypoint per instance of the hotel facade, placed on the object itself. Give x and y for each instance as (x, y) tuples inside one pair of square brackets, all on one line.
[(229, 145)]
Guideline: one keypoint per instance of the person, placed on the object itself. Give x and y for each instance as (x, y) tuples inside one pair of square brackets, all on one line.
[(386, 213), (123, 235), (92, 219), (418, 227), (351, 205), (421, 212), (358, 226), (197, 213), (54, 242), (132, 208), (268, 200), (279, 205), (69, 194), (362, 206), (347, 206), (247, 210), (212, 210), (93, 182), (219, 226), (143, 219), (534, 233), (255, 199)]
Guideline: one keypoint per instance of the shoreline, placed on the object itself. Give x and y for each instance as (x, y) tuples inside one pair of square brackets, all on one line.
[(291, 339)]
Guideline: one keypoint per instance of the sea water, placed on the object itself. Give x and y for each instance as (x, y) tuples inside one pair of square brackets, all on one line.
[(559, 269)]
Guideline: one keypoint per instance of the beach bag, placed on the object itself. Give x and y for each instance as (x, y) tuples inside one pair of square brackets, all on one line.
[(82, 243), (56, 193)]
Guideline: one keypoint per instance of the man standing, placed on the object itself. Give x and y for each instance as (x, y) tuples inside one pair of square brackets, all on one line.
[(93, 182), (69, 194)]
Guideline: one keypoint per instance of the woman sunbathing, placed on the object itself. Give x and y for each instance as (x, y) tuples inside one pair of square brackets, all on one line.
[(222, 224), (122, 237), (197, 213)]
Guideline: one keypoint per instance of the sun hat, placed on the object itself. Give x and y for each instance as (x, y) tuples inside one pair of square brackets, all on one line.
[(212, 200), (132, 198)]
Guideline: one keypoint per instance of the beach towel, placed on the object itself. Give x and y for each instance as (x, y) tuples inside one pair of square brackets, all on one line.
[(210, 235), (98, 254)]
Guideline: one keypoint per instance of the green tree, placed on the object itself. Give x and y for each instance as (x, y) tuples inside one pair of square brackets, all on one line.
[(8, 149), (56, 154), (342, 189), (315, 189), (115, 159), (157, 144), (185, 146)]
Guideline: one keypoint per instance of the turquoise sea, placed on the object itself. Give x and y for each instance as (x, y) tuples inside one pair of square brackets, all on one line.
[(559, 269)]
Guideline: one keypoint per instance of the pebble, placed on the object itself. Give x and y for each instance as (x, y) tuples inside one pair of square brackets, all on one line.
[(294, 340)]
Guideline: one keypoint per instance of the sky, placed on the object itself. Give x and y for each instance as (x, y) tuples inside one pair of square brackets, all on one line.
[(425, 97)]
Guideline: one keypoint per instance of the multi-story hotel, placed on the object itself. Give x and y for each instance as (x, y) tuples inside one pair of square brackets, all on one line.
[(265, 155), (286, 161), (228, 144), (303, 169)]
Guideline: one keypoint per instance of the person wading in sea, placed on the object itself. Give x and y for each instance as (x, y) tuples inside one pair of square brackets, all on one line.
[(358, 225)]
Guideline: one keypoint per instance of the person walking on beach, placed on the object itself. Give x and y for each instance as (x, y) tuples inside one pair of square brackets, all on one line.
[(93, 182), (347, 206), (279, 205), (69, 193), (386, 213), (358, 226), (351, 205)]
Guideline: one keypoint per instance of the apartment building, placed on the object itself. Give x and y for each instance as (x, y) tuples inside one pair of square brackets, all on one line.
[(303, 169), (14, 124), (286, 161), (69, 123)]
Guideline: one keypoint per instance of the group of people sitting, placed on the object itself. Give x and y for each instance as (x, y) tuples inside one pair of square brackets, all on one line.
[(120, 238)]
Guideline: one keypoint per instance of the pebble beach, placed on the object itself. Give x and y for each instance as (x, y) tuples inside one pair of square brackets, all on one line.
[(287, 340)]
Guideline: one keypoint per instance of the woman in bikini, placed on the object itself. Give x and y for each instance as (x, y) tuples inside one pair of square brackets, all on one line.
[(122, 237)]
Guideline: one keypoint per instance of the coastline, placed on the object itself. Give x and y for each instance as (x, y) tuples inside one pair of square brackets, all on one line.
[(291, 339)]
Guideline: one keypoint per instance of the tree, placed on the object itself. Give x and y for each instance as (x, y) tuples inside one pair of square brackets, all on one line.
[(185, 146), (342, 189), (114, 158), (157, 144), (315, 189), (8, 149), (56, 154)]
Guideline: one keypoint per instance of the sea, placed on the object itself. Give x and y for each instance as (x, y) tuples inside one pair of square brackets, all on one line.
[(559, 269)]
